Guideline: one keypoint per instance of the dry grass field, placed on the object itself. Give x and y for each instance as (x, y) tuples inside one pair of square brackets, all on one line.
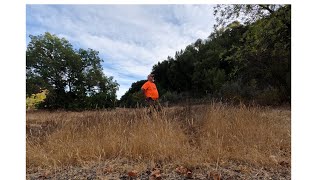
[(201, 142)]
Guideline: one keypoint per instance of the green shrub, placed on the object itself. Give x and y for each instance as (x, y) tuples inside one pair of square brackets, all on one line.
[(269, 96)]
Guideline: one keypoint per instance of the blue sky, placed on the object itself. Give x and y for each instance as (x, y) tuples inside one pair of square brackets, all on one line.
[(130, 38)]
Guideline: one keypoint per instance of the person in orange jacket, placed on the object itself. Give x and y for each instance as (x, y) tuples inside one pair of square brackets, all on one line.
[(150, 92)]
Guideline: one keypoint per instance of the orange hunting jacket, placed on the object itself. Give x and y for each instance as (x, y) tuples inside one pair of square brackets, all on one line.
[(150, 90)]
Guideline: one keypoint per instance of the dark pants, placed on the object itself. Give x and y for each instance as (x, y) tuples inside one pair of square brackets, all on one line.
[(153, 104)]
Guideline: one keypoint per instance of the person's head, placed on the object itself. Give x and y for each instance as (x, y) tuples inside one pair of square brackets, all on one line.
[(151, 77)]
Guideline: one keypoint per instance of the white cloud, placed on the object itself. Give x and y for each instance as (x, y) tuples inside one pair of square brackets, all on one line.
[(130, 38)]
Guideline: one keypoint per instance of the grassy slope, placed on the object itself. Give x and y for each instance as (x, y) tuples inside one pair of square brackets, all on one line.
[(189, 136)]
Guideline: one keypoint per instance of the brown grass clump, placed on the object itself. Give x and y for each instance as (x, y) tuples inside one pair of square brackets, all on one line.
[(182, 135), (247, 134)]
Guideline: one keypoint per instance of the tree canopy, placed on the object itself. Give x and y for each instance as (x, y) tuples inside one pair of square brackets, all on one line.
[(247, 57), (73, 78)]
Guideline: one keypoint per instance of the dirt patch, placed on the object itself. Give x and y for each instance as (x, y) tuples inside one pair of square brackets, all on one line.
[(120, 170)]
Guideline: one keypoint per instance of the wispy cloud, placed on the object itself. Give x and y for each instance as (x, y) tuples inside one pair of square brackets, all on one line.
[(130, 38)]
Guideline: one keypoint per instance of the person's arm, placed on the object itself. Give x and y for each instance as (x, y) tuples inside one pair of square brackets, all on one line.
[(143, 89)]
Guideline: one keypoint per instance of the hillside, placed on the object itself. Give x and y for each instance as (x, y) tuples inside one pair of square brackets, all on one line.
[(239, 62), (232, 141)]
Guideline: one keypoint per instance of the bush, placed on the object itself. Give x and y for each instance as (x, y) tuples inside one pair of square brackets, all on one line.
[(269, 96), (34, 100), (171, 97), (231, 90)]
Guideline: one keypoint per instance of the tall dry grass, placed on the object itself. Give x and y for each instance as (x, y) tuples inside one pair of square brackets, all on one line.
[(183, 135), (247, 134)]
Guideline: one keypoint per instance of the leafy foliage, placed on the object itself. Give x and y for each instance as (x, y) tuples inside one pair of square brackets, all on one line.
[(74, 78), (34, 100), (246, 58), (133, 97), (247, 13)]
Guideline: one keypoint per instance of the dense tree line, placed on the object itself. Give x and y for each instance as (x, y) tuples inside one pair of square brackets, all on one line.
[(73, 78), (247, 61), (133, 97)]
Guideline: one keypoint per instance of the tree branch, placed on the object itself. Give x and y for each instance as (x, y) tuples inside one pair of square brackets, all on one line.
[(266, 7)]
